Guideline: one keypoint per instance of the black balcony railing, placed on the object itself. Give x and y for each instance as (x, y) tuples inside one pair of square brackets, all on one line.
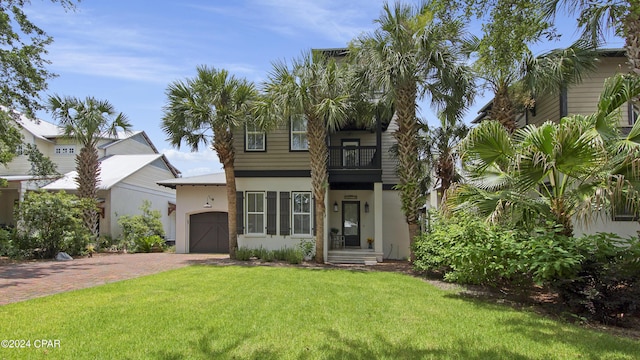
[(354, 157)]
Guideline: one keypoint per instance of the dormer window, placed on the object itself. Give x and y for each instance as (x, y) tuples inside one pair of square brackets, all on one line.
[(254, 139), (299, 140)]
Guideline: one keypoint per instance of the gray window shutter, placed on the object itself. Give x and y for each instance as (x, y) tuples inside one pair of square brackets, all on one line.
[(272, 212), (285, 217), (240, 212)]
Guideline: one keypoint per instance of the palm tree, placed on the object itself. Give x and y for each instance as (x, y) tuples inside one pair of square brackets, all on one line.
[(561, 169), (318, 88), (621, 16), (444, 156), (88, 121), (412, 55), (205, 110)]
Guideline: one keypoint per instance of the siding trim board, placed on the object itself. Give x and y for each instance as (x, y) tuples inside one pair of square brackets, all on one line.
[(273, 173)]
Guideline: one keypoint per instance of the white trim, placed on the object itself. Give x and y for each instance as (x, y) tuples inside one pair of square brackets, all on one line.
[(302, 133), (256, 212), (254, 131), (302, 213)]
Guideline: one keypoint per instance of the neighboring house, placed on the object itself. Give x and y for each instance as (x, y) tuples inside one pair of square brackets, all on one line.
[(130, 166), (201, 213), (583, 99)]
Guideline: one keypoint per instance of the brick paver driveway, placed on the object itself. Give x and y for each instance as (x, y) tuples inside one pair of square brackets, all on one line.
[(27, 280)]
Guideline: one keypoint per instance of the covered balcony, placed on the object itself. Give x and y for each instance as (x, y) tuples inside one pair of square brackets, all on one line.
[(354, 164)]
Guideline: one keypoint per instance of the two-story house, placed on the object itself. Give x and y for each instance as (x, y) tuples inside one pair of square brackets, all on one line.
[(130, 165), (582, 99)]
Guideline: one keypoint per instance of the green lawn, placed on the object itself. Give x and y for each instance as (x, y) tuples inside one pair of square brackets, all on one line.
[(290, 313)]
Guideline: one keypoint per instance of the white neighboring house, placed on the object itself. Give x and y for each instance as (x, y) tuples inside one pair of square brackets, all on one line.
[(201, 213), (130, 166)]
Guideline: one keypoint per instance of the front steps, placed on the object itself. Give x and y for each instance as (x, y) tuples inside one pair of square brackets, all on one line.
[(353, 256)]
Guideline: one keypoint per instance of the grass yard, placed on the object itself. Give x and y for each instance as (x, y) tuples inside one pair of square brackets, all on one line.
[(214, 312)]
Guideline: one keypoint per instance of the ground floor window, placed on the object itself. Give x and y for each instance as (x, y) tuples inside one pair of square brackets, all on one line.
[(301, 213), (255, 213)]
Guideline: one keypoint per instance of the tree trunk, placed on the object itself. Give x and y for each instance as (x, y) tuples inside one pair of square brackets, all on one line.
[(223, 145), (318, 154), (409, 170), (502, 109), (88, 169), (632, 36)]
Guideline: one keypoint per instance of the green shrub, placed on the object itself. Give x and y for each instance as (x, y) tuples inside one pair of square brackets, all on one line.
[(264, 254), (148, 244), (137, 227), (469, 250), (605, 285), (244, 253), (6, 245), (308, 248), (49, 223)]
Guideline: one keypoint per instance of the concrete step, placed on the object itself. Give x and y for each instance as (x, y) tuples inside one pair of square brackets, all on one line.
[(352, 257)]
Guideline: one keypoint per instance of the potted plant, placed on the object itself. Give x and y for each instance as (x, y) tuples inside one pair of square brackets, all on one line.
[(370, 242), (334, 231)]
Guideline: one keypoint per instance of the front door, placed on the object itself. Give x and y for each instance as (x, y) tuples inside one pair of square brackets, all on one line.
[(351, 223)]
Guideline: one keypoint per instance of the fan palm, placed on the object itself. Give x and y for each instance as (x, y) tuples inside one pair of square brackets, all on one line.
[(410, 56), (561, 169), (205, 110), (621, 16), (319, 88), (88, 121)]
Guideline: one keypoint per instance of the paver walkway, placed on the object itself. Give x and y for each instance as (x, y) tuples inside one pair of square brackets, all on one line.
[(26, 280)]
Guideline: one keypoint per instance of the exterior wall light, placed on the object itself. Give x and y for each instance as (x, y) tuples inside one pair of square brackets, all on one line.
[(208, 205), (335, 206)]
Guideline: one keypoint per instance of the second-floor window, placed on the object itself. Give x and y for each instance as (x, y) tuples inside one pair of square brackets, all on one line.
[(634, 113), (255, 213), (299, 140), (65, 150), (255, 139)]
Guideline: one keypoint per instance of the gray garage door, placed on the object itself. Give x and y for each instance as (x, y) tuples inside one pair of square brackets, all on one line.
[(209, 233)]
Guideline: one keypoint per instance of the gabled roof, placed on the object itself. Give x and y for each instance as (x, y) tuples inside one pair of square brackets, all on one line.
[(113, 169), (201, 180)]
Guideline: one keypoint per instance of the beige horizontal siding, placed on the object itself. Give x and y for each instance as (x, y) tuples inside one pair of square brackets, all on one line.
[(389, 160), (547, 108), (277, 156), (128, 146)]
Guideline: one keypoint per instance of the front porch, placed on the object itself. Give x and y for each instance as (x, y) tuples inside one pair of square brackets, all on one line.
[(354, 256)]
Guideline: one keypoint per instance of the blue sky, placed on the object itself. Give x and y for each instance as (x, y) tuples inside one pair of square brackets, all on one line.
[(127, 52)]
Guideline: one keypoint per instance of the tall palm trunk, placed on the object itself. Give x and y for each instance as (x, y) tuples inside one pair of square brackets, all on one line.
[(409, 164), (318, 153), (502, 109), (88, 169), (223, 145), (632, 35)]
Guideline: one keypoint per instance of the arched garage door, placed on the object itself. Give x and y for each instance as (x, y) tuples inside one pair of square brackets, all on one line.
[(209, 233)]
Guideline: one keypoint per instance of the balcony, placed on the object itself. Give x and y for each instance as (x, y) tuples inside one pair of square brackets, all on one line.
[(354, 164)]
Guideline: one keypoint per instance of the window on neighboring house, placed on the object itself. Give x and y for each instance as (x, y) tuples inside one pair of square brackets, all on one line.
[(624, 212), (255, 213), (299, 133), (19, 150), (634, 113), (65, 150), (301, 213), (254, 139)]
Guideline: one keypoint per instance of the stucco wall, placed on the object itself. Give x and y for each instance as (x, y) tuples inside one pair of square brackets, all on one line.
[(125, 199), (272, 242), (395, 230), (191, 200)]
